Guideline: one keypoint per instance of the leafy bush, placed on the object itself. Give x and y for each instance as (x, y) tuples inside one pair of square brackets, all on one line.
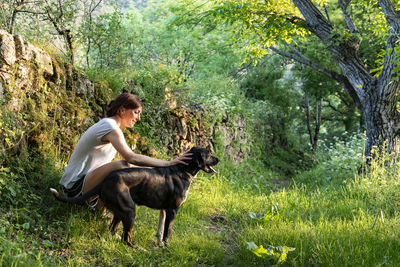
[(336, 162), (107, 78)]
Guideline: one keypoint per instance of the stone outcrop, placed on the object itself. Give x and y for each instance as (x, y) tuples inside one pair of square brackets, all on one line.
[(196, 125), (46, 104), (28, 67)]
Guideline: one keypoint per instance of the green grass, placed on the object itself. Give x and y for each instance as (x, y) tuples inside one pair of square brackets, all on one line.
[(346, 220)]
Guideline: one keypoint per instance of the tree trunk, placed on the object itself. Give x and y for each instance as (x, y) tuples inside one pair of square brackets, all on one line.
[(381, 122), (68, 39), (313, 134), (12, 22), (318, 119)]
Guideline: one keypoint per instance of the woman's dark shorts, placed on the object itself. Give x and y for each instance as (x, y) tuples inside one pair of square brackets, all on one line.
[(76, 189)]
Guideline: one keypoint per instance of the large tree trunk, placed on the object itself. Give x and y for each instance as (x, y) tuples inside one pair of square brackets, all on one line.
[(381, 120), (377, 97)]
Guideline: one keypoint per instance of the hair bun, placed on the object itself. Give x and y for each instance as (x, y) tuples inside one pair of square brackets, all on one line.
[(109, 109)]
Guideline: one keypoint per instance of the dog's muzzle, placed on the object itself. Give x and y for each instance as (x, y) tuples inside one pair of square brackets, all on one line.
[(209, 167)]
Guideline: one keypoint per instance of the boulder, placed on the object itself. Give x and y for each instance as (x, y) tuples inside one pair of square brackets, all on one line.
[(42, 60), (7, 49)]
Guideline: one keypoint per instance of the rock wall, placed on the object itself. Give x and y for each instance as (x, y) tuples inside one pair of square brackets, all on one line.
[(46, 104), (196, 124), (26, 67)]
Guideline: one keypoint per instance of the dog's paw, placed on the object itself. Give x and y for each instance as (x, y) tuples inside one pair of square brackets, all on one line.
[(54, 192), (139, 248), (130, 243), (161, 243)]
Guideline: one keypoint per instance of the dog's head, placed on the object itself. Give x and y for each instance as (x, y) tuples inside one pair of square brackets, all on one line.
[(203, 159)]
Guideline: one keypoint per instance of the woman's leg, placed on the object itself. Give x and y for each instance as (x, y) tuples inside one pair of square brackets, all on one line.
[(97, 175)]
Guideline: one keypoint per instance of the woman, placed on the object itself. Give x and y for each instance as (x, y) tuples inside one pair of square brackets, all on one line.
[(91, 160)]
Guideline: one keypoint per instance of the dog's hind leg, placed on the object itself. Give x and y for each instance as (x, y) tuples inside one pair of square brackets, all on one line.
[(169, 221), (126, 212), (128, 220), (160, 228)]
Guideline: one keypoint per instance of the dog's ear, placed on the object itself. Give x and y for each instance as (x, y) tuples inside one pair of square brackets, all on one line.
[(199, 159)]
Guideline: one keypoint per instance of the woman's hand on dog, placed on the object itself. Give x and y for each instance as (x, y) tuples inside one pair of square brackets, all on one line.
[(181, 159)]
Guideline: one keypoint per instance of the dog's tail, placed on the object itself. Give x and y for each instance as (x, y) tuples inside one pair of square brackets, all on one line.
[(77, 200)]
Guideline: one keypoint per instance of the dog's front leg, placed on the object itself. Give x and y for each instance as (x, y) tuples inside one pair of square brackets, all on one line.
[(160, 228), (169, 221)]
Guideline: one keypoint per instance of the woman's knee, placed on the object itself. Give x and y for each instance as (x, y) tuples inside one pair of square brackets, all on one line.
[(121, 164)]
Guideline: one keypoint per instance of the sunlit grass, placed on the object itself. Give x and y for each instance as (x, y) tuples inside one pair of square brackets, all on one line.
[(347, 220)]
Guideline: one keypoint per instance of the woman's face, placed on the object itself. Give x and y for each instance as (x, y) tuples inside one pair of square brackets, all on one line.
[(130, 116)]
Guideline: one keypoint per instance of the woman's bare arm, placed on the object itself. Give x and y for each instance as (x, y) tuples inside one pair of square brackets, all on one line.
[(118, 141)]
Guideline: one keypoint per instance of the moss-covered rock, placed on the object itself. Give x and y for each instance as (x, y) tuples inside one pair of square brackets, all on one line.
[(47, 104)]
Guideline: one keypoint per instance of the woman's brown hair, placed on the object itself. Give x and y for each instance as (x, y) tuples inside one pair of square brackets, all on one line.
[(126, 100)]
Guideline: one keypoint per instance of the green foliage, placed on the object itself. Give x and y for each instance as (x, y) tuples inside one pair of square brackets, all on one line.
[(274, 112), (219, 92), (335, 161), (277, 255), (107, 79), (152, 84), (371, 21), (11, 134), (25, 221), (260, 24), (107, 41)]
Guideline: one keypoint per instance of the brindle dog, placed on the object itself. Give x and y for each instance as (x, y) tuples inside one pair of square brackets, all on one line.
[(162, 188)]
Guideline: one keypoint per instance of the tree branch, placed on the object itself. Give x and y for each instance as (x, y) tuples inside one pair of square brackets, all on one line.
[(392, 16), (326, 13), (299, 57), (95, 6), (32, 12), (318, 119), (308, 116), (343, 51), (348, 18), (319, 25), (386, 77), (293, 19)]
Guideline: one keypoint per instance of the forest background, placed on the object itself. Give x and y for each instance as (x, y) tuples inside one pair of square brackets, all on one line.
[(288, 190)]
